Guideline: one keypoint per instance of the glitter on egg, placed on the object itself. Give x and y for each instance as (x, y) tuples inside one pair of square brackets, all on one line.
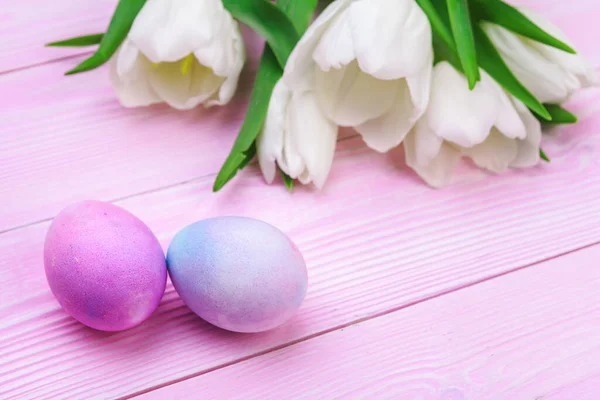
[(104, 266)]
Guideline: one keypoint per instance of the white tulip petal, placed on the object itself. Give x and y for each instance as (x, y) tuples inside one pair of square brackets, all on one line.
[(392, 38), (546, 80), (528, 149), (439, 170), (270, 141), (335, 49), (495, 154), (225, 53), (386, 132), (204, 84), (419, 85), (552, 75), (290, 162), (224, 94), (169, 30), (299, 69), (575, 64), (425, 142), (312, 137), (508, 120), (126, 58), (305, 178), (183, 91), (579, 73), (235, 64), (412, 96), (265, 161), (182, 52), (133, 88), (456, 113), (350, 97)]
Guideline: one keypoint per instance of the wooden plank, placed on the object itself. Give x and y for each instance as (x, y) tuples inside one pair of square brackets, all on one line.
[(422, 242), (67, 139), (530, 335), (585, 389), (27, 26), (372, 245), (122, 143), (82, 144)]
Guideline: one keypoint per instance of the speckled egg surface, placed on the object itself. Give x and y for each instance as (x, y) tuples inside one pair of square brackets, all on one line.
[(104, 266), (238, 273)]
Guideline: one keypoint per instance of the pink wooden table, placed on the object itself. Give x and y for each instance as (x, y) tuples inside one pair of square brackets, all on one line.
[(489, 289)]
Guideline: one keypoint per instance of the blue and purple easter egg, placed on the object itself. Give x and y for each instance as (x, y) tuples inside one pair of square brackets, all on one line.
[(104, 266), (238, 273)]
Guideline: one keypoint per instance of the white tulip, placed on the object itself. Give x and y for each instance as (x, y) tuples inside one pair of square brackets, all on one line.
[(550, 74), (297, 136), (182, 52), (369, 63), (486, 124)]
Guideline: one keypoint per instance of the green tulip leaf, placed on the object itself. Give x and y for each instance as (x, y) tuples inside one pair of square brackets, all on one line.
[(269, 21), (559, 115), (442, 52), (507, 16), (444, 48), (287, 180), (437, 23), (460, 22), (244, 160), (300, 12), (117, 31), (79, 41), (543, 155), (269, 72)]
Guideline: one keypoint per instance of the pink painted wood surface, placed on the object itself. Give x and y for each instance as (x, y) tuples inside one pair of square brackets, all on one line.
[(585, 389), (373, 245), (532, 334), (67, 138), (26, 26), (396, 244)]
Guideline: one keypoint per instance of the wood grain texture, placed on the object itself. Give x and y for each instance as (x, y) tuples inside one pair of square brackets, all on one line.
[(393, 243), (27, 26), (376, 239), (67, 138), (584, 389), (532, 334)]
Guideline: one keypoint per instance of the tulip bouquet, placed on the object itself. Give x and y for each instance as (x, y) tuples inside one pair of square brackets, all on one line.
[(447, 79)]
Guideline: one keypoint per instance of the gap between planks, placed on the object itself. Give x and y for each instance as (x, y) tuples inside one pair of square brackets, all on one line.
[(162, 188), (116, 150), (395, 211), (594, 246), (420, 243), (529, 334), (46, 62), (409, 189)]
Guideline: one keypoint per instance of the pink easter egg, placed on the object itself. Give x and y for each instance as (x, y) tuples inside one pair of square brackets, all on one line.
[(104, 266)]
